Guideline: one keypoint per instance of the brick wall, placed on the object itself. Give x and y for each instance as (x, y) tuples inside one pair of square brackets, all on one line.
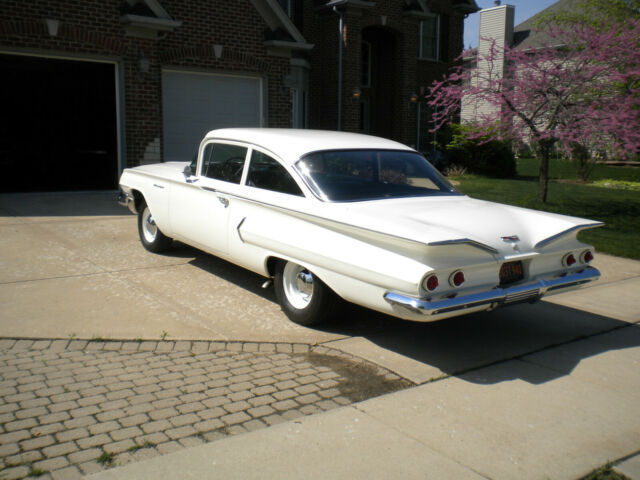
[(91, 29), (410, 74)]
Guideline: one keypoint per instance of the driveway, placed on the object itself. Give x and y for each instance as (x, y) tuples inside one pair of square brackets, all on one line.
[(75, 278)]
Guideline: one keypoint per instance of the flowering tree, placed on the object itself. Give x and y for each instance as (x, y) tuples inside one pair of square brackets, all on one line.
[(580, 90)]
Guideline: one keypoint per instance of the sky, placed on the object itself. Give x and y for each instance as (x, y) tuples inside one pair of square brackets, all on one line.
[(524, 9)]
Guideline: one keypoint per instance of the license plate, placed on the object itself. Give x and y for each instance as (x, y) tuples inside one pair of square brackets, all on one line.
[(511, 272)]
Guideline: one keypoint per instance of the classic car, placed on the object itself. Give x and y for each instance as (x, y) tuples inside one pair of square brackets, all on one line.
[(332, 216)]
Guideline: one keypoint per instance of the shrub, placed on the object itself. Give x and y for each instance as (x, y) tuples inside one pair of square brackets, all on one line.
[(492, 158)]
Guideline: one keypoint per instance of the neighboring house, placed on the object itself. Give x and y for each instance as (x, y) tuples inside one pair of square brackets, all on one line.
[(93, 86), (496, 26)]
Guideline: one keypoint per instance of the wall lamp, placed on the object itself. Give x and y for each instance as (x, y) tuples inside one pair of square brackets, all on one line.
[(52, 26), (143, 66)]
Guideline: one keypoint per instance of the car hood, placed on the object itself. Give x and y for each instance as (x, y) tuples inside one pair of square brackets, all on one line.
[(450, 219)]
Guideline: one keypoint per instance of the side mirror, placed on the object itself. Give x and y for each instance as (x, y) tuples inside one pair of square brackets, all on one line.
[(188, 171)]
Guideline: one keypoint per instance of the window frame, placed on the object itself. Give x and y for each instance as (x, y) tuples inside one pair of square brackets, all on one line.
[(213, 142), (287, 7), (290, 171), (421, 53)]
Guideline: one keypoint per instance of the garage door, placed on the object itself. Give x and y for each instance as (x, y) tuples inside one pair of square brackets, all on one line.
[(58, 126), (193, 104)]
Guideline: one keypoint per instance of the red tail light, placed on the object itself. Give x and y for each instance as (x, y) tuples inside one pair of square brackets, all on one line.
[(456, 279), (568, 260), (431, 283), (586, 256)]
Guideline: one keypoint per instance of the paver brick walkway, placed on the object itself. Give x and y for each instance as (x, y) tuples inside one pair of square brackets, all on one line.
[(74, 407)]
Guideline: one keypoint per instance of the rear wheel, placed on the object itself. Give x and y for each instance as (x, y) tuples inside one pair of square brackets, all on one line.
[(304, 298), (150, 235)]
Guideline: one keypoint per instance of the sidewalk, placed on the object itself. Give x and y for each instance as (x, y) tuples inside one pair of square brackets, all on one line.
[(557, 413)]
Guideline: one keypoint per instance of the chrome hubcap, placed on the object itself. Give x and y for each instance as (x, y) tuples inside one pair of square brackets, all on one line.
[(149, 228), (298, 285)]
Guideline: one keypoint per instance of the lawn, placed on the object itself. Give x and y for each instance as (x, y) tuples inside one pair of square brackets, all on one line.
[(619, 208), (528, 167)]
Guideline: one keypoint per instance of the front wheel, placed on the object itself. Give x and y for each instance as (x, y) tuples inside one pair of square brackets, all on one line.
[(150, 235), (303, 297)]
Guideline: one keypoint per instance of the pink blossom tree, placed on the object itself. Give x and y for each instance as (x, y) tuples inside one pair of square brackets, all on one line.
[(580, 90)]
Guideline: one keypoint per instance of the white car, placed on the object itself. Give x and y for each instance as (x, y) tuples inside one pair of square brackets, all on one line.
[(331, 215)]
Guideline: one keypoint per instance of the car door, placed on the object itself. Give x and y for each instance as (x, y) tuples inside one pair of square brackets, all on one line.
[(199, 207)]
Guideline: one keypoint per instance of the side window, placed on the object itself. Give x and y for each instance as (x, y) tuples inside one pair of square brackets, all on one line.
[(224, 162), (265, 172)]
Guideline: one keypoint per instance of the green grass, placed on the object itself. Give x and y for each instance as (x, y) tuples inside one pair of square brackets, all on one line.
[(618, 208), (136, 447), (605, 473), (37, 472), (105, 459), (560, 168)]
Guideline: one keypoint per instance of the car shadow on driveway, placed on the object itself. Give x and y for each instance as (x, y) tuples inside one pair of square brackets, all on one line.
[(462, 344)]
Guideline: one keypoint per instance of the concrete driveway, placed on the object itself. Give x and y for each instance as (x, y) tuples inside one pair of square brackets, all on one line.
[(72, 267)]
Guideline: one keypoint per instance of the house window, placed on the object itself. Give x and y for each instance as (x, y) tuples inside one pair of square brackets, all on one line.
[(365, 80), (429, 34), (286, 6)]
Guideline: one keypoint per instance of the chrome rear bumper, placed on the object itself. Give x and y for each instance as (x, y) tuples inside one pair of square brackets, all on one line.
[(526, 292)]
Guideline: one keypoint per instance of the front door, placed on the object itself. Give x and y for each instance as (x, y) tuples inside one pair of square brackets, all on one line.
[(378, 78), (200, 206)]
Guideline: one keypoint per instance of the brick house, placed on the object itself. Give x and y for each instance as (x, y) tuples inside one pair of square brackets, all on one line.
[(93, 86)]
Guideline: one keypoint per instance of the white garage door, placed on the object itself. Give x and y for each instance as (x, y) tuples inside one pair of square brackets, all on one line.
[(194, 103)]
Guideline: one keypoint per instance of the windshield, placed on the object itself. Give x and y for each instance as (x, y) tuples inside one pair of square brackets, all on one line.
[(353, 175)]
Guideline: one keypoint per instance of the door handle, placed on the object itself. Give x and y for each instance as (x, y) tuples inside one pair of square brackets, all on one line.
[(224, 201)]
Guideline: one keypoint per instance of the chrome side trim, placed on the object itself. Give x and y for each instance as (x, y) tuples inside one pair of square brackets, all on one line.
[(529, 291), (317, 217), (553, 238), (238, 229), (468, 241)]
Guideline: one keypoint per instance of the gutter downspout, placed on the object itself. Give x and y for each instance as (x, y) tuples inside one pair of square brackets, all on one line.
[(340, 31)]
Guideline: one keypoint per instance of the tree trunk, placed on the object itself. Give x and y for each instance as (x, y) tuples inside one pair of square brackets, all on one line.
[(543, 152)]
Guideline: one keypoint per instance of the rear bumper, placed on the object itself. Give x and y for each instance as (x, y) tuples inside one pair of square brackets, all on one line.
[(526, 292)]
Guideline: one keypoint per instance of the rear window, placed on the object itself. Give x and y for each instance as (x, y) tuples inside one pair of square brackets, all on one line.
[(355, 175)]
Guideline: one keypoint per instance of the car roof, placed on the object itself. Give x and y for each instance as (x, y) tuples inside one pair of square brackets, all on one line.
[(290, 144)]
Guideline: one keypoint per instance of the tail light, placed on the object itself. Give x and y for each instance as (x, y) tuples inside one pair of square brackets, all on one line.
[(456, 278), (568, 260), (431, 283), (586, 256)]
